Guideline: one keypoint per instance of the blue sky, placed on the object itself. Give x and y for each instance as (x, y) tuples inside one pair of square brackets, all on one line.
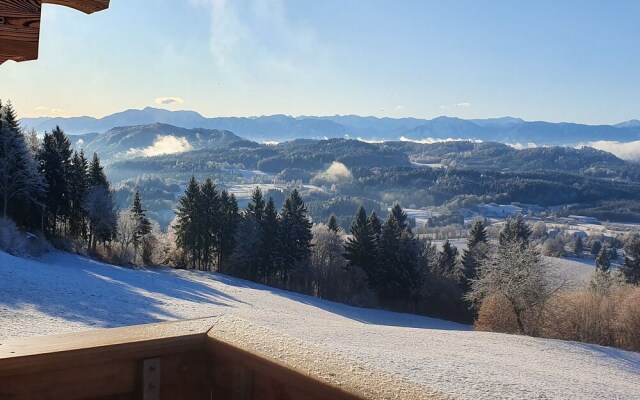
[(539, 60)]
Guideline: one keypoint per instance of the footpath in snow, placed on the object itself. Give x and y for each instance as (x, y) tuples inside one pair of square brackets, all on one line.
[(66, 293)]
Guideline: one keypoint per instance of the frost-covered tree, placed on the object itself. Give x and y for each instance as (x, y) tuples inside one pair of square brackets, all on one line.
[(99, 207), (127, 226), (142, 223), (332, 224), (517, 272), (630, 269), (603, 260), (515, 230), (327, 263), (19, 176), (578, 247)]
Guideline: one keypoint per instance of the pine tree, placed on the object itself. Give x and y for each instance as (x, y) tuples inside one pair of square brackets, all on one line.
[(596, 247), (515, 230), (396, 274), (211, 215), (478, 234), (142, 223), (53, 169), (447, 259), (21, 185), (229, 218), (294, 235), (78, 179), (360, 246), (375, 226), (332, 224), (97, 177), (256, 205), (578, 247), (473, 254), (603, 260), (188, 221), (269, 245), (631, 268), (400, 216)]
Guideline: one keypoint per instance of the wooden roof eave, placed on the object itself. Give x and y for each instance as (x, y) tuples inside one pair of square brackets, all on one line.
[(20, 25)]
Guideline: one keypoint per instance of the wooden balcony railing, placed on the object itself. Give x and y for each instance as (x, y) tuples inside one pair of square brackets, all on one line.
[(214, 358)]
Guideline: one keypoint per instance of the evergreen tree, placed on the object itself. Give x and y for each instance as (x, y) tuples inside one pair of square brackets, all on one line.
[(396, 275), (447, 259), (269, 245), (189, 222), (631, 267), (332, 224), (360, 246), (229, 217), (97, 177), (400, 216), (99, 207), (578, 247), (53, 170), (474, 253), (78, 179), (596, 247), (603, 260), (478, 234), (375, 226), (515, 230), (294, 235), (142, 223), (21, 185), (256, 205), (211, 215)]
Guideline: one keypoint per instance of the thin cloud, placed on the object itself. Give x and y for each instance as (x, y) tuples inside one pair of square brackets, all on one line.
[(237, 45), (40, 108), (165, 101), (464, 104), (163, 144)]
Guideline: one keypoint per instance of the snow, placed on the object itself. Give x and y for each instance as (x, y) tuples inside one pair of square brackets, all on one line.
[(66, 293)]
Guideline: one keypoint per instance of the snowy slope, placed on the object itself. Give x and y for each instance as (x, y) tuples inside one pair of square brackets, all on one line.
[(63, 293)]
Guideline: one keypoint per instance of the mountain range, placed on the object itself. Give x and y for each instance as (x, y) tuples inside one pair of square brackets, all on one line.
[(282, 127)]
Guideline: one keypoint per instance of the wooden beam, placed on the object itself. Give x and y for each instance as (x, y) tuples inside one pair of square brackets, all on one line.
[(20, 25), (86, 6), (19, 29)]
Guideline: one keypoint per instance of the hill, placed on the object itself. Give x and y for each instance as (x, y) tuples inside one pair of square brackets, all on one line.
[(67, 293)]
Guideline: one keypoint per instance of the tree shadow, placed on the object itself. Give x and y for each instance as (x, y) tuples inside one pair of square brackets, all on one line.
[(78, 289)]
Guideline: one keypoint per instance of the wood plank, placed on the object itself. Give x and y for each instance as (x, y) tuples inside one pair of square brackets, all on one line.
[(19, 29), (34, 354), (86, 6)]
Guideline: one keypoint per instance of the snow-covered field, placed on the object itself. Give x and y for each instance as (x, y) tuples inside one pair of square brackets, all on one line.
[(63, 293)]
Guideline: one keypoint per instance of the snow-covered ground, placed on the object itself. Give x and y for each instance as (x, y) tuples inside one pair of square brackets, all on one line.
[(63, 293)]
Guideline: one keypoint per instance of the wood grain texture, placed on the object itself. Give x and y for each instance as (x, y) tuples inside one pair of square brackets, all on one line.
[(20, 25), (86, 6), (19, 29)]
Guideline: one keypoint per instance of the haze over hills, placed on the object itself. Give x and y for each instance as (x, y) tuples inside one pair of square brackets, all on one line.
[(282, 127)]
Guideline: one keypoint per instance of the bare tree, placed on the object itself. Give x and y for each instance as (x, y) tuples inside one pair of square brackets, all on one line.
[(328, 263), (516, 271), (127, 228)]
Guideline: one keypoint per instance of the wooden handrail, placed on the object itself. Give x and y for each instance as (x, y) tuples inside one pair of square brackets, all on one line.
[(220, 358)]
